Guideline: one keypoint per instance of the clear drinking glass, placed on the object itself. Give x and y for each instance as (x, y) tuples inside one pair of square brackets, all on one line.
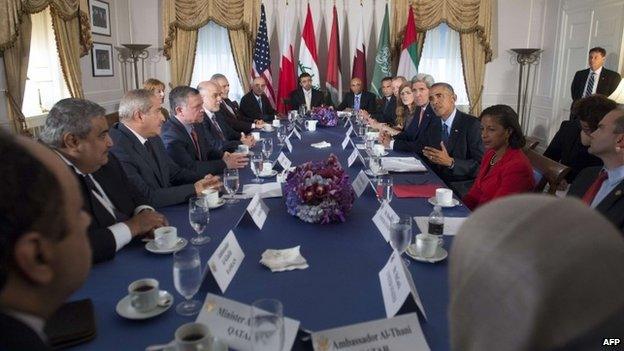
[(199, 216), (231, 182), (282, 133), (256, 166), (384, 189), (374, 163), (370, 144), (187, 277), (267, 147), (267, 325), (401, 235)]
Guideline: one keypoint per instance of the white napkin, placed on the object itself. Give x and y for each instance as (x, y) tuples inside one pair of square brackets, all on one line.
[(451, 224), (323, 144), (283, 260), (273, 189), (402, 164)]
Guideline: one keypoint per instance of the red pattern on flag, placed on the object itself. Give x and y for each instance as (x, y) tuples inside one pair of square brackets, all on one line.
[(334, 76)]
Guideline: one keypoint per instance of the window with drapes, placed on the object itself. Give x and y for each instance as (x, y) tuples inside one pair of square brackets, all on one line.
[(214, 55), (441, 58), (45, 84)]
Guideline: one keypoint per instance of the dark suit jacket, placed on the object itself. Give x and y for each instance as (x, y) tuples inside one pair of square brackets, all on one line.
[(566, 148), (386, 113), (164, 183), (367, 102), (235, 119), (607, 82), (17, 336), (214, 141), (182, 151), (416, 136), (250, 109), (612, 207), (318, 98)]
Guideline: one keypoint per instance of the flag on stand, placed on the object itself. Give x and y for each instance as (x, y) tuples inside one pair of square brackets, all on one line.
[(359, 57), (262, 58), (287, 80), (308, 57), (408, 63), (383, 58), (333, 81)]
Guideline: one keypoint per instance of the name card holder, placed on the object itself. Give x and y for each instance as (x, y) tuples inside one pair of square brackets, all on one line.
[(360, 183), (398, 288), (354, 156), (383, 219), (349, 131), (348, 121), (296, 132), (288, 145), (345, 142), (223, 264), (257, 211), (284, 161)]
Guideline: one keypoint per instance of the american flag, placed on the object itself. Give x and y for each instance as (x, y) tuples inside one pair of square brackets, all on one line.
[(262, 57)]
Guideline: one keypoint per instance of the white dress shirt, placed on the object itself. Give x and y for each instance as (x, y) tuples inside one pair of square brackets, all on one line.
[(307, 94), (33, 322)]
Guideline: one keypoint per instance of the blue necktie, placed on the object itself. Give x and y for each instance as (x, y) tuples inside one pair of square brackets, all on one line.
[(590, 84), (356, 102), (445, 133)]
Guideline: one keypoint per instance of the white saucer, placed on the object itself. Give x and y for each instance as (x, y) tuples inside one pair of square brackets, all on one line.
[(385, 153), (371, 174), (151, 247), (440, 255), (269, 129), (125, 309), (432, 200), (218, 204), (272, 174)]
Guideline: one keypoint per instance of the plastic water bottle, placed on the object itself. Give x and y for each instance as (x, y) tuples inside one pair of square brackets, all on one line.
[(436, 221)]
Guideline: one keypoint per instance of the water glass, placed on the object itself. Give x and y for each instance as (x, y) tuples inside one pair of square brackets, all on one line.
[(282, 133), (267, 147), (384, 189), (199, 216), (187, 278), (256, 166), (370, 145), (267, 325), (401, 235), (231, 182), (374, 163)]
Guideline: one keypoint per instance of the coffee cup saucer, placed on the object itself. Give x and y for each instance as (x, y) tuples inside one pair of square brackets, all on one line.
[(434, 202), (219, 203), (440, 255), (268, 175), (124, 307), (370, 173), (151, 246)]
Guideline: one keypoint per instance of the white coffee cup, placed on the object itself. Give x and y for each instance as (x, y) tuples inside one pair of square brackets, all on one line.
[(427, 245), (242, 149), (211, 195), (192, 337), (267, 128), (143, 294), (256, 135), (276, 123), (379, 149), (444, 196), (267, 168), (311, 124), (165, 237)]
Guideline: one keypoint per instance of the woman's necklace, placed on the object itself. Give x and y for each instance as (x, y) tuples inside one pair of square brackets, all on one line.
[(493, 160)]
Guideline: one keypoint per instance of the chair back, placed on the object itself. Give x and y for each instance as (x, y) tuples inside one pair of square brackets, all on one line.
[(552, 172), (531, 142)]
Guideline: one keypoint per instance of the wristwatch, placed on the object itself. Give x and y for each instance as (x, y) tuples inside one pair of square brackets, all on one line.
[(452, 164)]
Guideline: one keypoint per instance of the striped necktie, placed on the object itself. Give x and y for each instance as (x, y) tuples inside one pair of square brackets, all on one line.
[(590, 84)]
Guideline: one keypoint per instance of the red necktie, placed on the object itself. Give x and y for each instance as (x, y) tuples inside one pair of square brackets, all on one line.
[(215, 125), (422, 113), (591, 192), (196, 143)]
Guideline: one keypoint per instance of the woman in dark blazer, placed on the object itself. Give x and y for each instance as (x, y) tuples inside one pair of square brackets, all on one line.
[(504, 169)]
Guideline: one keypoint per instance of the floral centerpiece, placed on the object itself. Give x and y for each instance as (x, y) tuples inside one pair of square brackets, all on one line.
[(319, 192), (326, 116)]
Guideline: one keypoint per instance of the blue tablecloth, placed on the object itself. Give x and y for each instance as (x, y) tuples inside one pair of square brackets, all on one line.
[(340, 287)]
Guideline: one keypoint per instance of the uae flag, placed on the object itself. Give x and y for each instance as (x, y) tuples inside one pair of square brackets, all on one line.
[(262, 58), (334, 77), (359, 57), (287, 80), (308, 57), (408, 63)]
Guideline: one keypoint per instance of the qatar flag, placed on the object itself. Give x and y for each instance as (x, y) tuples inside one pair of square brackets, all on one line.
[(359, 57), (287, 77), (308, 57)]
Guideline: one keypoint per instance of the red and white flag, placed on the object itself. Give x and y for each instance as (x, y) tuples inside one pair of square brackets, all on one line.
[(408, 63), (334, 77), (262, 58), (308, 57), (359, 57), (287, 77)]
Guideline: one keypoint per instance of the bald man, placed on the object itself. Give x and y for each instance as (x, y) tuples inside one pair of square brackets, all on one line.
[(255, 104), (358, 98)]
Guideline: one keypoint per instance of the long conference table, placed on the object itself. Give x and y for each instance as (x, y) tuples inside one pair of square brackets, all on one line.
[(340, 287)]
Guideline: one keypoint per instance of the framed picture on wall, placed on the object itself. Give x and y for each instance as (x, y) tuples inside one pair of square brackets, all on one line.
[(102, 60), (100, 17)]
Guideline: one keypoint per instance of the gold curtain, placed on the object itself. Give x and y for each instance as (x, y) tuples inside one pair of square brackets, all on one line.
[(472, 19), (183, 18), (16, 67)]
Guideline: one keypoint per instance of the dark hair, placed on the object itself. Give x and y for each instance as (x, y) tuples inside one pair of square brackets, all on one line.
[(303, 75), (599, 50), (385, 79), (70, 116), (592, 109), (447, 86), (508, 119), (179, 96), (32, 200)]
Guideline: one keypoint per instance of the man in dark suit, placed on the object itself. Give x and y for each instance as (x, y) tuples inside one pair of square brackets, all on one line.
[(459, 156), (386, 106), (44, 251), (219, 134), (143, 157), (596, 79), (358, 99), (307, 95), (255, 104), (602, 188), (78, 131), (184, 136), (231, 110)]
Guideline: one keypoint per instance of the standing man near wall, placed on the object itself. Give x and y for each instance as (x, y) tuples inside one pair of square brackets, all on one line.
[(596, 79)]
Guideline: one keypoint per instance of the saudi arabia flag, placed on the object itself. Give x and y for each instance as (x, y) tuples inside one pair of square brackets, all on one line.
[(383, 58)]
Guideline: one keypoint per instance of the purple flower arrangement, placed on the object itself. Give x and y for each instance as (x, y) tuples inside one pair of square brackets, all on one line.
[(326, 116), (319, 192)]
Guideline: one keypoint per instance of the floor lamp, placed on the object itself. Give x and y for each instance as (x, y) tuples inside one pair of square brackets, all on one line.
[(525, 58), (130, 54)]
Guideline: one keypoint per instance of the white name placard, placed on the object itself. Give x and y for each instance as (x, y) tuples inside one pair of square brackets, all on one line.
[(384, 218), (399, 333), (288, 145), (296, 132), (230, 321), (349, 131), (348, 121), (258, 210), (283, 161), (225, 261), (398, 288), (345, 142), (360, 183), (354, 155)]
